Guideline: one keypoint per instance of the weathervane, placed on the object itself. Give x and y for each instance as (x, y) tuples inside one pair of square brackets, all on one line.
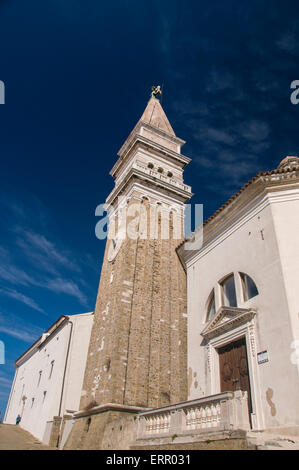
[(156, 91)]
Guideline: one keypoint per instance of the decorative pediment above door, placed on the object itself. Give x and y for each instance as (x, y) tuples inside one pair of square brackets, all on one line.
[(226, 319)]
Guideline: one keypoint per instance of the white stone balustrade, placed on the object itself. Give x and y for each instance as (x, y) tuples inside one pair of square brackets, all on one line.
[(224, 411)]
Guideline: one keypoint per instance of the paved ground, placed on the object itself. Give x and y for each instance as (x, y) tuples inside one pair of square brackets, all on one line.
[(15, 438)]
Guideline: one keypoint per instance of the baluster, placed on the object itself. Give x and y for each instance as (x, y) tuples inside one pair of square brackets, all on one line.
[(193, 417), (162, 425), (214, 416), (167, 422), (188, 419), (197, 420), (209, 417), (158, 424), (200, 417), (204, 418), (153, 425), (218, 408)]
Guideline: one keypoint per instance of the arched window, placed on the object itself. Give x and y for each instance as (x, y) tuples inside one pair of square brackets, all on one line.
[(229, 297), (249, 287)]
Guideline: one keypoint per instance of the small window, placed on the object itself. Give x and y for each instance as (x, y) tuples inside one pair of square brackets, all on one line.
[(160, 170), (169, 174), (249, 287), (229, 292), (150, 165), (211, 307)]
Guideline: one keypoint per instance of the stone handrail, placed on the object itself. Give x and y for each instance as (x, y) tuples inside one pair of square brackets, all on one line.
[(224, 411)]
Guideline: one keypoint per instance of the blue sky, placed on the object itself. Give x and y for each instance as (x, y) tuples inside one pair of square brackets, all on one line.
[(77, 78)]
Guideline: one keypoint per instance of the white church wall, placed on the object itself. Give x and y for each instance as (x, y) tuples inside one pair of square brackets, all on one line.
[(38, 407), (285, 213), (82, 325), (43, 394), (251, 246)]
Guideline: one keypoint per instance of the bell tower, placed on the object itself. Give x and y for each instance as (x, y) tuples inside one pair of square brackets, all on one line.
[(137, 352)]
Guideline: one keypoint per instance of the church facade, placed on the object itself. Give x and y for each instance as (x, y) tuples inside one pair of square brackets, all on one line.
[(243, 299), (190, 338)]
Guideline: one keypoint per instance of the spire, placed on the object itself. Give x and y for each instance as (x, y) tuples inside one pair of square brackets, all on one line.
[(155, 116)]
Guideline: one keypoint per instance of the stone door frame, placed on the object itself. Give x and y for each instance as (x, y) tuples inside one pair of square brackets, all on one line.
[(246, 330)]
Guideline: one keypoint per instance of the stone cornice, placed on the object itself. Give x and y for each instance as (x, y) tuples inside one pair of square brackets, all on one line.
[(274, 180), (150, 127), (254, 195), (163, 151), (109, 407), (152, 181), (45, 337), (225, 319)]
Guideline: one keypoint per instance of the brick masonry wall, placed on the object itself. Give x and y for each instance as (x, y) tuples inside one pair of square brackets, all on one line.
[(109, 430), (137, 352)]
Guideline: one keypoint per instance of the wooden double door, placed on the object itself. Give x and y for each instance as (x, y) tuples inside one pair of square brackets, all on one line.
[(233, 365)]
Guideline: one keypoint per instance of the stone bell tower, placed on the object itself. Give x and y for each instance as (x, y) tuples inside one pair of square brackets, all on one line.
[(137, 352)]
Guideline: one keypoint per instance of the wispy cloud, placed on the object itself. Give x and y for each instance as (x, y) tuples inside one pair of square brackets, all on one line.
[(254, 130), (66, 287), (288, 41), (4, 382), (187, 106), (26, 336), (44, 252), (11, 273), (21, 298), (217, 135), (54, 269), (220, 79), (17, 328)]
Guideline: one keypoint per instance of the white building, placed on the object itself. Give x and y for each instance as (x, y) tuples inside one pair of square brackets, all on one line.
[(243, 299), (49, 375)]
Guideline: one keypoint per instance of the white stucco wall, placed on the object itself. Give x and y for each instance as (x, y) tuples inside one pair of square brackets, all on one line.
[(69, 340), (77, 360), (262, 244)]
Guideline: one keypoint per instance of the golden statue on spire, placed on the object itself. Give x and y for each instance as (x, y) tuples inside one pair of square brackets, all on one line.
[(156, 91)]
